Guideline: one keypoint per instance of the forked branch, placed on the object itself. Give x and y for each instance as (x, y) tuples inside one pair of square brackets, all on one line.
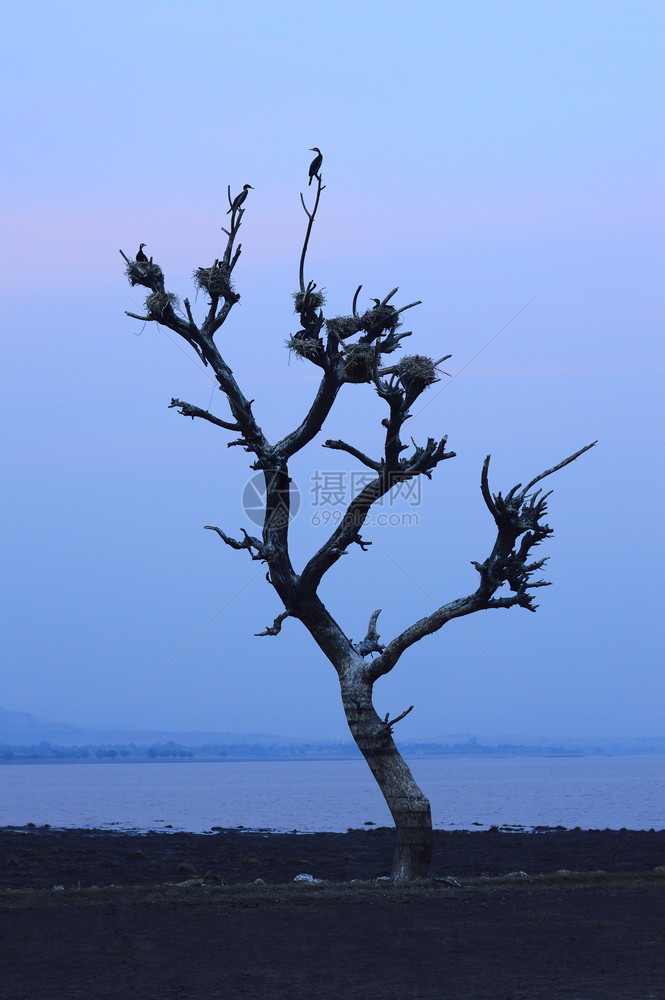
[(253, 545), (518, 514), (371, 643)]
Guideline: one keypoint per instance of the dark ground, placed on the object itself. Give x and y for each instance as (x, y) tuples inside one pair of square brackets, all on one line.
[(575, 936)]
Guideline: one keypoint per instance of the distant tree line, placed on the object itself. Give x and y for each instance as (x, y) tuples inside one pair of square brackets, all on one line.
[(262, 751)]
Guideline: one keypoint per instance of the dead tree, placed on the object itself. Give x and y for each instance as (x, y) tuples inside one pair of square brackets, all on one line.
[(351, 349)]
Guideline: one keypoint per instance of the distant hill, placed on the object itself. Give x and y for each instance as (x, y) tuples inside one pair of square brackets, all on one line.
[(23, 729), (20, 728)]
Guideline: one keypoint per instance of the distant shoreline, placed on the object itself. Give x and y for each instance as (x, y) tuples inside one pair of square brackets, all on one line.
[(71, 856), (318, 758), (287, 759)]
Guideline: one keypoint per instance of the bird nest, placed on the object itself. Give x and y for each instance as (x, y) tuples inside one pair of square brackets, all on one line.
[(380, 319), (416, 372), (343, 327), (359, 361), (304, 347), (308, 301), (215, 281), (159, 302), (147, 274)]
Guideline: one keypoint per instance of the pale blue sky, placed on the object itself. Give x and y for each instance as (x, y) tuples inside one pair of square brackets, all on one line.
[(476, 154)]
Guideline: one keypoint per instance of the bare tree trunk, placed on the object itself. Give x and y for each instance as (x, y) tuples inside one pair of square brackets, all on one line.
[(409, 808)]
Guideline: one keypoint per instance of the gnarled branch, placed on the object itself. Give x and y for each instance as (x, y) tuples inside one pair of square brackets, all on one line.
[(276, 626), (188, 410), (249, 542), (371, 643), (517, 514), (388, 723)]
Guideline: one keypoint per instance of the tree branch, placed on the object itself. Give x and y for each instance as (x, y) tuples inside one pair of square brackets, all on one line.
[(517, 514), (159, 303), (276, 626), (216, 280), (253, 439), (320, 186), (188, 307), (391, 472), (388, 723), (346, 532), (248, 542), (555, 468), (188, 410), (322, 404), (343, 446), (371, 643)]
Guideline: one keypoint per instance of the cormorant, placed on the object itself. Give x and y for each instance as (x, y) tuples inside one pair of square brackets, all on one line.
[(239, 198), (315, 165), (141, 257)]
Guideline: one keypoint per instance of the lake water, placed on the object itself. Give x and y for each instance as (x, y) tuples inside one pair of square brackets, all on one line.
[(466, 793)]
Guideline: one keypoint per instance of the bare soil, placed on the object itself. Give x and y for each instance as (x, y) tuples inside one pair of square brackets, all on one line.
[(105, 915)]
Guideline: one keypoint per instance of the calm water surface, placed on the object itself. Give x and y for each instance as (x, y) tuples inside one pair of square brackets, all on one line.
[(466, 793)]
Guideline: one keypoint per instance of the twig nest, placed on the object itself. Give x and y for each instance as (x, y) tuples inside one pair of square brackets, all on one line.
[(216, 281), (303, 346), (343, 326), (359, 361), (144, 274), (159, 302), (416, 372), (308, 301), (381, 319)]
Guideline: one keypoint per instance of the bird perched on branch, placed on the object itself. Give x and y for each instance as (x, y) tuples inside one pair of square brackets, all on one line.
[(315, 165), (140, 256), (239, 198)]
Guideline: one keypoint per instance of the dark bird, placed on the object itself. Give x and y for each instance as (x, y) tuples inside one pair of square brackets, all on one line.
[(141, 257), (239, 198), (315, 165)]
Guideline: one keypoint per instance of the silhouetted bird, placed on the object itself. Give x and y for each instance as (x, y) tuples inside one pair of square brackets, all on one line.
[(141, 257), (239, 198), (378, 304), (315, 165)]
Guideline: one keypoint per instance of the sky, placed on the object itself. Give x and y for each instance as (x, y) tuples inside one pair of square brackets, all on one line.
[(500, 161)]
